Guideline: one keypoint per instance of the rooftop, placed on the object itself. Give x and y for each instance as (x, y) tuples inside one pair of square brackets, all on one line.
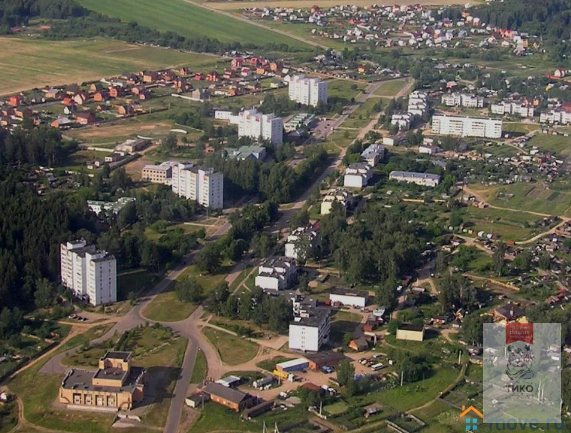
[(325, 356), (228, 394), (343, 291), (409, 327), (82, 379), (124, 356), (409, 174), (315, 319)]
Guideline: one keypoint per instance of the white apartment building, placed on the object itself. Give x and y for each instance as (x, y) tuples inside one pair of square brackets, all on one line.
[(298, 237), (423, 179), (258, 126), (349, 297), (467, 126), (357, 175), (342, 196), (418, 103), (307, 91), (276, 273), (373, 154), (89, 273), (310, 331), (204, 185), (462, 100), (556, 116), (402, 120), (517, 108)]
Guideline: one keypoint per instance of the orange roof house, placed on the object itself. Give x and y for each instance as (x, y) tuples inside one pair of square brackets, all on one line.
[(85, 118), (80, 98), (125, 110), (15, 100), (116, 92), (213, 76), (101, 96)]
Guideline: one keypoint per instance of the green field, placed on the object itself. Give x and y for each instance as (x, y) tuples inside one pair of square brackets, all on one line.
[(233, 350), (531, 197), (30, 63), (187, 19), (166, 307), (391, 87), (552, 143), (516, 226)]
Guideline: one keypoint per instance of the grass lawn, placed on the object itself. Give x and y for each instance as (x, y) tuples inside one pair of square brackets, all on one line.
[(30, 63), (206, 280), (336, 408), (8, 416), (200, 368), (342, 323), (552, 143), (391, 87), (233, 350), (135, 280), (215, 417), (516, 226), (189, 20), (519, 127), (166, 307)]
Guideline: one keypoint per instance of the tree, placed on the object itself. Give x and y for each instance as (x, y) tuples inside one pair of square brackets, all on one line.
[(208, 259), (44, 295), (132, 297), (456, 219), (189, 290), (473, 328), (345, 372), (170, 142), (218, 297), (347, 339), (523, 261), (120, 179), (498, 259), (440, 265), (127, 215), (545, 261)]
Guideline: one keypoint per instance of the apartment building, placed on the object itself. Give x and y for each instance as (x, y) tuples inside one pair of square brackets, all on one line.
[(423, 179), (467, 126), (462, 100), (373, 154), (113, 207), (300, 237), (342, 196), (307, 91), (403, 120), (516, 108), (276, 273), (417, 103), (116, 385), (89, 273), (258, 126), (204, 185), (559, 116), (310, 331), (161, 173), (357, 175)]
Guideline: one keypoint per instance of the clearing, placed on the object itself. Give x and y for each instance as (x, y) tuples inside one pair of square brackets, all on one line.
[(188, 20), (31, 63), (233, 350)]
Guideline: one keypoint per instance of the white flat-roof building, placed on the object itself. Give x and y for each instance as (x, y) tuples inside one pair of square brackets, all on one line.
[(418, 103), (109, 206), (258, 126), (276, 273), (307, 91), (204, 185), (349, 297), (357, 175), (467, 126), (300, 236), (339, 195), (159, 173), (402, 120), (373, 154), (423, 179), (89, 273), (517, 108), (310, 332), (462, 100), (556, 116)]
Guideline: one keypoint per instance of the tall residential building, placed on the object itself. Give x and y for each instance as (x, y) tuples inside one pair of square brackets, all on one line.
[(204, 185), (89, 273), (310, 331), (462, 100), (307, 91), (467, 126), (256, 125)]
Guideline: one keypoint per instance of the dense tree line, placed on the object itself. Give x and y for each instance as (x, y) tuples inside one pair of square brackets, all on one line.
[(18, 12), (37, 146)]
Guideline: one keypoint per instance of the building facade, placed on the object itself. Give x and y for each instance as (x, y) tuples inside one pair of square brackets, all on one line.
[(89, 273), (161, 173), (349, 297), (109, 206), (467, 126), (204, 185), (258, 126), (462, 100), (373, 154), (301, 236), (357, 175), (116, 385), (307, 91), (341, 196), (311, 331)]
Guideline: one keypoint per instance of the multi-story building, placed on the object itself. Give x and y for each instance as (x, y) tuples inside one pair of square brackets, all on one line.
[(300, 237), (418, 103), (89, 273), (373, 154), (403, 120), (258, 126), (462, 100), (161, 173), (109, 206), (560, 116), (204, 185), (342, 196), (349, 297), (310, 331), (516, 108), (423, 179), (467, 126), (357, 175), (276, 273), (307, 91), (116, 385)]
